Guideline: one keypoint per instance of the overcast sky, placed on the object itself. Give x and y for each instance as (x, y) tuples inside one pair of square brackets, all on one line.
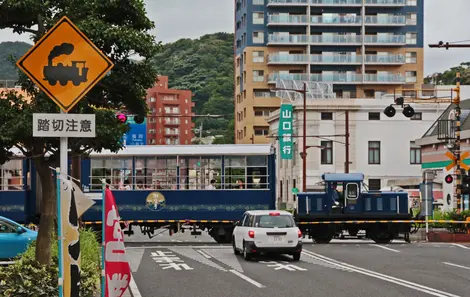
[(175, 19)]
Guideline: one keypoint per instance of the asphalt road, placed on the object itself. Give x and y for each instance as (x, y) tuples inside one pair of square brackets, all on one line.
[(339, 269)]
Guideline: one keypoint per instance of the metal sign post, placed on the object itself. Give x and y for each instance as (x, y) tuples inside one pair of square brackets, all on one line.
[(65, 65)]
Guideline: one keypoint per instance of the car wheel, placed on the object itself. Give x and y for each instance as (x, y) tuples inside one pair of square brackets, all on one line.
[(296, 256), (235, 250), (246, 255)]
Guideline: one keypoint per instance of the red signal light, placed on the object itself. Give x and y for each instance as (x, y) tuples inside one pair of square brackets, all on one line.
[(122, 118), (449, 179)]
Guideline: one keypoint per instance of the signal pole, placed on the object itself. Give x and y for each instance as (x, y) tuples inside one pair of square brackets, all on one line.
[(458, 181)]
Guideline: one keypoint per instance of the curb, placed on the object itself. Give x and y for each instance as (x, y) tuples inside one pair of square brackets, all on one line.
[(133, 290)]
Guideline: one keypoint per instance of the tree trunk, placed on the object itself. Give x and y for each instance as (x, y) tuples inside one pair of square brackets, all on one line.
[(48, 212)]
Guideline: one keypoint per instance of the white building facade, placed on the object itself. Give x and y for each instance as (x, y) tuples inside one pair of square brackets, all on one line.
[(381, 148)]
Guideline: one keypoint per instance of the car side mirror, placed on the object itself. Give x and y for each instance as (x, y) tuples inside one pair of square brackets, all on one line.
[(236, 223), (19, 230)]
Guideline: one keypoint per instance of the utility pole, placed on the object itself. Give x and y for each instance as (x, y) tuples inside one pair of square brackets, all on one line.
[(346, 165)]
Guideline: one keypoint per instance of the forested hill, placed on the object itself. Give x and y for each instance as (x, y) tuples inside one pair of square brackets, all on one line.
[(10, 52), (448, 76), (204, 66)]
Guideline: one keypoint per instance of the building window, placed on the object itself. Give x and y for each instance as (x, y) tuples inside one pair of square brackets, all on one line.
[(411, 57), (261, 131), (411, 76), (411, 38), (418, 116), (327, 116), (411, 2), (258, 75), (374, 184), (258, 57), (374, 116), (258, 37), (411, 19), (415, 153), (374, 152), (258, 18), (327, 152)]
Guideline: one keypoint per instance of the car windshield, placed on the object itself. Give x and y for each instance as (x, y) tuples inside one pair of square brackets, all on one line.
[(280, 221)]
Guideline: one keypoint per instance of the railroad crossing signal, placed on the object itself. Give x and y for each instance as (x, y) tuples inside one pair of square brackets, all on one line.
[(65, 64), (463, 156)]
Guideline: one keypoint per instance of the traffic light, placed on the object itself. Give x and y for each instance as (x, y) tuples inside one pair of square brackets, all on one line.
[(122, 118), (408, 111), (390, 111), (449, 179)]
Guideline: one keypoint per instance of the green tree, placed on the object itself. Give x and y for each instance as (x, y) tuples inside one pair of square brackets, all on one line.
[(121, 30), (448, 77)]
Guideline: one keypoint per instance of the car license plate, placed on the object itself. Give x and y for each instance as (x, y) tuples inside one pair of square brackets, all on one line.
[(277, 238)]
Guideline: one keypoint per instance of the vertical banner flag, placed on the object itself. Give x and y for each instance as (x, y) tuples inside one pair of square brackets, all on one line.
[(73, 204), (117, 269), (285, 132)]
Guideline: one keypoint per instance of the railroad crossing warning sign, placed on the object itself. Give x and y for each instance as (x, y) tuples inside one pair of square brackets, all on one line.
[(65, 64), (463, 156)]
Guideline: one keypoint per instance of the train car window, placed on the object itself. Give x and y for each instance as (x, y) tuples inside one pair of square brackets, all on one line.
[(197, 173), (256, 161), (11, 175), (235, 173), (352, 191), (116, 171)]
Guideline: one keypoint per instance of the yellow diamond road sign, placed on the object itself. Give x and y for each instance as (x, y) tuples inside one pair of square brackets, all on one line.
[(65, 64)]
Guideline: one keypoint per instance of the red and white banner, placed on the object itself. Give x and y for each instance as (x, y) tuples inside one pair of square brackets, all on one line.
[(118, 271)]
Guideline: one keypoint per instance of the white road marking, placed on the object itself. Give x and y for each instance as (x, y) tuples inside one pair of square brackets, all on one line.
[(242, 276), (204, 254), (385, 248), (461, 246), (134, 290), (388, 278), (456, 265)]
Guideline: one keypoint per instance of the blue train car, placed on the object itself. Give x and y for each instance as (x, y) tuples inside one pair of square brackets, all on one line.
[(16, 200), (346, 205), (205, 186)]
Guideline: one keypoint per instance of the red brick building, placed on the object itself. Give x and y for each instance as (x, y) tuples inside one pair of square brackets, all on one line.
[(171, 110)]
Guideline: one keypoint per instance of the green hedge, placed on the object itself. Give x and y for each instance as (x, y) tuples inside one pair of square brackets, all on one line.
[(27, 278)]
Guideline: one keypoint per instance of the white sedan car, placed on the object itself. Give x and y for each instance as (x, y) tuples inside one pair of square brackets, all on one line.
[(265, 231)]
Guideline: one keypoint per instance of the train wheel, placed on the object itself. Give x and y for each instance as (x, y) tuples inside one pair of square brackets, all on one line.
[(324, 238), (52, 82), (382, 237), (76, 82), (63, 82)]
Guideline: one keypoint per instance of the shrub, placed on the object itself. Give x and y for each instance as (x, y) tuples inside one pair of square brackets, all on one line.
[(28, 278)]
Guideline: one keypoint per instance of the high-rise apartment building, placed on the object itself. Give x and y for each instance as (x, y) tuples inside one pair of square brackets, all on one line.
[(171, 111), (363, 47)]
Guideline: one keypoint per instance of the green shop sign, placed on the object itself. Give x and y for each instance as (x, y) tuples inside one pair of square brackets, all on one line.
[(285, 132)]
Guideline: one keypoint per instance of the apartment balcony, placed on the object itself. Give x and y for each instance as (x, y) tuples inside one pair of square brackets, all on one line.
[(171, 112), (280, 59), (288, 40), (172, 123), (390, 20), (286, 76), (171, 133), (343, 3), (287, 20), (335, 40), (336, 21), (393, 40), (384, 79), (287, 3), (385, 3), (336, 59), (385, 60), (339, 78)]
